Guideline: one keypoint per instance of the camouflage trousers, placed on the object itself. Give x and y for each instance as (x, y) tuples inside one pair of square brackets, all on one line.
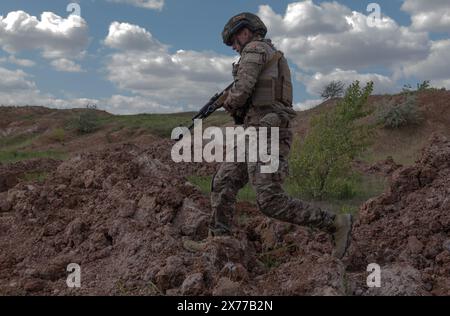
[(270, 196)]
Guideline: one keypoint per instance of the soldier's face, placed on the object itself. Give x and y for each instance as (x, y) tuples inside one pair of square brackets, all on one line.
[(236, 44), (240, 39)]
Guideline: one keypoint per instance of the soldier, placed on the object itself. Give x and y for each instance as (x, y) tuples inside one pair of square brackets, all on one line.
[(262, 97)]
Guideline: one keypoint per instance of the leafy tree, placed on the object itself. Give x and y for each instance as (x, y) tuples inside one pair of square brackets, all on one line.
[(334, 89), (321, 166)]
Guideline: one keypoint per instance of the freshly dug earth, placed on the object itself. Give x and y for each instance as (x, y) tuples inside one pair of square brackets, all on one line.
[(126, 217), (11, 174), (406, 230)]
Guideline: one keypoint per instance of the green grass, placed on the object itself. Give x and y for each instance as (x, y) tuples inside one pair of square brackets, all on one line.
[(403, 153), (161, 124), (16, 142), (15, 155), (14, 148), (368, 186), (58, 135), (35, 176)]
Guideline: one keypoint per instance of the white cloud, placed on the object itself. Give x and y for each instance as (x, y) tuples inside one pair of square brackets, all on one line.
[(315, 83), (435, 67), (15, 80), (147, 4), (342, 40), (54, 36), (17, 89), (16, 61), (125, 36), (306, 18), (433, 16), (180, 78), (66, 65), (119, 104), (308, 104)]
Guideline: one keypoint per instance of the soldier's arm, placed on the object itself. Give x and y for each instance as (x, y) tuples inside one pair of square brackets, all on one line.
[(252, 62)]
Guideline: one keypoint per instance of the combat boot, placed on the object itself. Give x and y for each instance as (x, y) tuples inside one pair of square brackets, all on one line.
[(194, 245), (201, 245), (342, 228)]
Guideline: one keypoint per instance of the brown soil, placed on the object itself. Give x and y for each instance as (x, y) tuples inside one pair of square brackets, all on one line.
[(124, 217), (11, 174), (125, 213), (409, 225)]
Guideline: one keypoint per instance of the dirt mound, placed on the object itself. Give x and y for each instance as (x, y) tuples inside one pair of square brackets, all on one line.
[(125, 218), (129, 220), (406, 230), (10, 174), (383, 167)]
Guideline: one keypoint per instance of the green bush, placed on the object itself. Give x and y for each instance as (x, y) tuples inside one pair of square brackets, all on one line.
[(321, 166), (424, 86), (400, 115), (88, 121), (58, 134)]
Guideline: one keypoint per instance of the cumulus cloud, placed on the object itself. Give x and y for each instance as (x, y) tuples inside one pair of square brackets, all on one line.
[(125, 36), (18, 89), (17, 61), (66, 65), (15, 80), (344, 39), (147, 4), (317, 82), (178, 79), (54, 36), (434, 67), (308, 104), (433, 16), (120, 104), (306, 18)]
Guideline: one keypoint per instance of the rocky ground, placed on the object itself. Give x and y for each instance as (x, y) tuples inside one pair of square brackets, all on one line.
[(126, 216)]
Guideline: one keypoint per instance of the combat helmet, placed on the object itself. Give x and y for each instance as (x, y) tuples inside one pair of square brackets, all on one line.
[(245, 19)]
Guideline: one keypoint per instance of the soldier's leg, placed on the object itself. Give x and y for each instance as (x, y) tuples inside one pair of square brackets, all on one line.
[(274, 202), (225, 185), (270, 196)]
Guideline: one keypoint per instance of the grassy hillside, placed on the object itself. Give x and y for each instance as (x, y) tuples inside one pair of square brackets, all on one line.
[(35, 132)]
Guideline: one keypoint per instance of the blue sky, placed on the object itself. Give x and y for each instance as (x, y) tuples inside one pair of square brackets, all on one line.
[(134, 56)]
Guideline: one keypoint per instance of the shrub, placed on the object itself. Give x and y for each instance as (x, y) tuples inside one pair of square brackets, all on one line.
[(88, 121), (321, 166), (424, 86), (400, 115), (58, 134)]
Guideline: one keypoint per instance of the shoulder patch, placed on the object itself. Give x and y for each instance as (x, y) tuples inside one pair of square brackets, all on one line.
[(255, 47), (250, 57)]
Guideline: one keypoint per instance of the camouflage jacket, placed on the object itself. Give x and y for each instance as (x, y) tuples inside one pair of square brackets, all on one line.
[(246, 73)]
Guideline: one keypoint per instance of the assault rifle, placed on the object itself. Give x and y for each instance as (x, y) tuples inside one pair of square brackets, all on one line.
[(215, 103)]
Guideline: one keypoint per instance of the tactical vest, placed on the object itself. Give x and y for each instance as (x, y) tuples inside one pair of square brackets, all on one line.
[(274, 83)]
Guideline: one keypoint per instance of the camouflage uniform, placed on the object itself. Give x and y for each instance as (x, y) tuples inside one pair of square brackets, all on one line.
[(248, 91)]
